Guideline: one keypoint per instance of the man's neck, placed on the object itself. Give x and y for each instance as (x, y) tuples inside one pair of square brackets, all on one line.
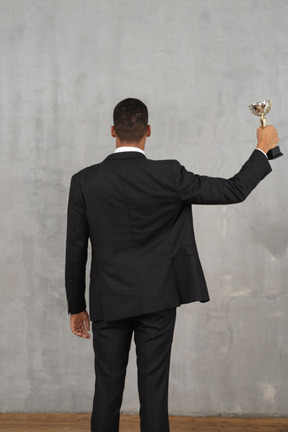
[(128, 149), (139, 144)]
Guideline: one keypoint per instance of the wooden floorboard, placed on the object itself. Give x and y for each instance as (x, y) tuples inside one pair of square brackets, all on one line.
[(40, 422)]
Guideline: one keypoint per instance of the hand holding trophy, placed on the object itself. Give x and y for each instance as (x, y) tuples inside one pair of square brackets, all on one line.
[(260, 109)]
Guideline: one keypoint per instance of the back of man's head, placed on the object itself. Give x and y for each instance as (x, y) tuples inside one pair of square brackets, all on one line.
[(130, 118)]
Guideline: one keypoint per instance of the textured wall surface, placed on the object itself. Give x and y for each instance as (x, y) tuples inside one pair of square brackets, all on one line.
[(197, 64)]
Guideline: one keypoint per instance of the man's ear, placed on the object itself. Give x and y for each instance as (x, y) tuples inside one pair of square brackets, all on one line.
[(148, 131), (113, 133)]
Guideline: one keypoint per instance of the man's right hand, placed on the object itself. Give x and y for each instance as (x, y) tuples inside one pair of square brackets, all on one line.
[(267, 138), (80, 323)]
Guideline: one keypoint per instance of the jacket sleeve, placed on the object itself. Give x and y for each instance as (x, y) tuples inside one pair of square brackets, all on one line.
[(198, 189), (76, 249)]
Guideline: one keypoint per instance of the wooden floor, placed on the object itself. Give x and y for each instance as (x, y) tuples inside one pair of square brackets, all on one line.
[(10, 422)]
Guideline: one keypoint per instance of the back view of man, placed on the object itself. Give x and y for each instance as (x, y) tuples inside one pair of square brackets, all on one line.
[(137, 214)]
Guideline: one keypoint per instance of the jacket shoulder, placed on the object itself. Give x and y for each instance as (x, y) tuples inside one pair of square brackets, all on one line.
[(86, 171)]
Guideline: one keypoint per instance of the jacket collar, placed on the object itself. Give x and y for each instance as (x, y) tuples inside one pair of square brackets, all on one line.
[(125, 155)]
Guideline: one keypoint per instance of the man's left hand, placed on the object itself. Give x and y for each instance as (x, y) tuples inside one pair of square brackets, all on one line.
[(80, 323)]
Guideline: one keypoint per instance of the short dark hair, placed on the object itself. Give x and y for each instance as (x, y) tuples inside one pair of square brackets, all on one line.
[(130, 118)]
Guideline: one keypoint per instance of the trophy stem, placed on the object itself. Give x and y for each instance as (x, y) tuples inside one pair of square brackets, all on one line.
[(263, 120)]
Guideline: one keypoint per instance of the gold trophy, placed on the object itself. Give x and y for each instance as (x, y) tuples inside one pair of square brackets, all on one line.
[(260, 109)]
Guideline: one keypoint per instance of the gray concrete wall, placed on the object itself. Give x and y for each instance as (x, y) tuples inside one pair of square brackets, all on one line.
[(197, 64)]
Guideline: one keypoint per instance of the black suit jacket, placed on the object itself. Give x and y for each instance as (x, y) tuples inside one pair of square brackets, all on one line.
[(137, 214)]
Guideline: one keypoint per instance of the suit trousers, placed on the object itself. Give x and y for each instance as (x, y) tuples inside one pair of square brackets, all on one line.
[(153, 335)]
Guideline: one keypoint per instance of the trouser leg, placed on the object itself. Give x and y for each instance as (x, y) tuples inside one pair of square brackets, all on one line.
[(153, 334), (111, 343)]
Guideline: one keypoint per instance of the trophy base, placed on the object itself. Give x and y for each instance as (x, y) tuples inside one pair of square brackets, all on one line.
[(274, 153)]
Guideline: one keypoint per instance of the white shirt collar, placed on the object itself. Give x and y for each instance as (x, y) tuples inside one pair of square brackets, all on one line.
[(128, 148)]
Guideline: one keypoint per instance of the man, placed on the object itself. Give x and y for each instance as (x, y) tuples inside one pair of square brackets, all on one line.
[(137, 214)]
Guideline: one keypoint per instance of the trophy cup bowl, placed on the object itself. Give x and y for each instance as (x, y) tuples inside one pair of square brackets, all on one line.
[(260, 109)]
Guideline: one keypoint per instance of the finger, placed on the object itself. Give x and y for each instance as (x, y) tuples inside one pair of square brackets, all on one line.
[(83, 331), (76, 332), (87, 321)]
